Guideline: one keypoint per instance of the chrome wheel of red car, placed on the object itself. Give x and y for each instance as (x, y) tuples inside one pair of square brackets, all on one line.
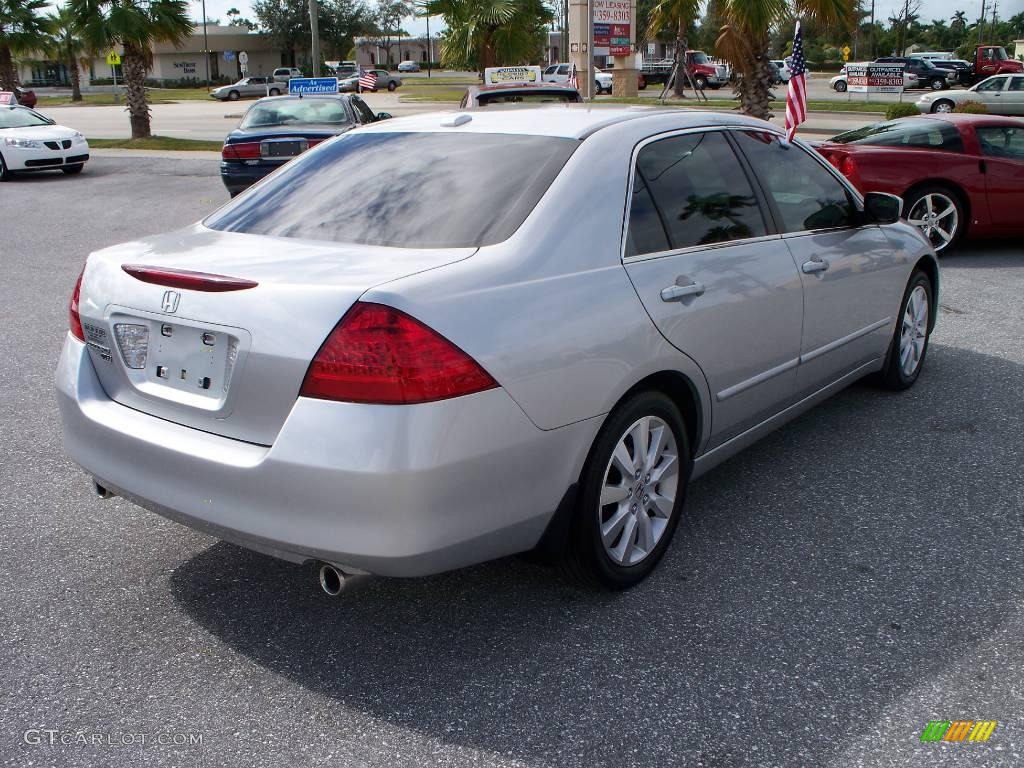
[(937, 214)]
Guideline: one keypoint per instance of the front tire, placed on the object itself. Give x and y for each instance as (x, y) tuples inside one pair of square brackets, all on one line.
[(943, 106), (909, 343), (840, 86), (701, 82), (937, 84), (938, 213), (5, 175), (631, 493), (233, 96)]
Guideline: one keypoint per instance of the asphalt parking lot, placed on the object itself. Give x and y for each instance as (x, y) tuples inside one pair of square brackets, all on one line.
[(831, 590)]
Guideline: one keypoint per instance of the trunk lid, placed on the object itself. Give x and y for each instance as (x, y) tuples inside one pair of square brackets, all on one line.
[(230, 362)]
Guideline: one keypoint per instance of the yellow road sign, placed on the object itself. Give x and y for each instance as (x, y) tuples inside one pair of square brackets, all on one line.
[(846, 53), (113, 58)]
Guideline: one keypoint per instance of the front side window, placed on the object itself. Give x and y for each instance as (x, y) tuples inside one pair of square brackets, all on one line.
[(698, 188), (383, 189), (1002, 141), (991, 85), (806, 195)]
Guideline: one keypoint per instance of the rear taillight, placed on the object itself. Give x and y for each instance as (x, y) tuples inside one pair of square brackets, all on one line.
[(74, 319), (246, 150), (847, 166), (378, 354)]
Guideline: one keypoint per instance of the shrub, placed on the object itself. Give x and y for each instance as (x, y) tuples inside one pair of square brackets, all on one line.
[(971, 108), (896, 111)]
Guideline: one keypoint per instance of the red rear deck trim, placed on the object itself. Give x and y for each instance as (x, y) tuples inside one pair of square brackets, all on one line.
[(184, 278)]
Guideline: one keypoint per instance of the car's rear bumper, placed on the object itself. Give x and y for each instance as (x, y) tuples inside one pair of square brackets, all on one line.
[(391, 490), (238, 177)]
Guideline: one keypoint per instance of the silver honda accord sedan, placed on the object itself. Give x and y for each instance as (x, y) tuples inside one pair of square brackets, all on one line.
[(465, 336)]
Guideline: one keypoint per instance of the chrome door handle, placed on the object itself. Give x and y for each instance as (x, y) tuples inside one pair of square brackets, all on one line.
[(815, 265), (676, 292)]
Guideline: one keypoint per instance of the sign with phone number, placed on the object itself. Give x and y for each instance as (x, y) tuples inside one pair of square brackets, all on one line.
[(875, 78)]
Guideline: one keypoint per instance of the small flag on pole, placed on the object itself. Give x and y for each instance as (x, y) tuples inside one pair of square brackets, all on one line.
[(796, 96), (367, 80), (573, 80)]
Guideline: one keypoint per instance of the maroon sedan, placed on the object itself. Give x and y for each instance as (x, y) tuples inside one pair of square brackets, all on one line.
[(959, 175)]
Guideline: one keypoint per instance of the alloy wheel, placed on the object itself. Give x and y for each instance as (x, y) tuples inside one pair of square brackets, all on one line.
[(914, 333), (943, 107), (936, 215), (641, 482)]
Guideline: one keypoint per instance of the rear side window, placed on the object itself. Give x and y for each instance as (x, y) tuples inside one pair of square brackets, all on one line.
[(408, 190), (906, 132), (806, 195), (698, 188)]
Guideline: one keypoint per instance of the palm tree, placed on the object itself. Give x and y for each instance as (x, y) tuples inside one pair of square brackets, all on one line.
[(67, 45), (959, 21), (676, 15), (22, 26), (744, 40), (134, 25), (486, 33)]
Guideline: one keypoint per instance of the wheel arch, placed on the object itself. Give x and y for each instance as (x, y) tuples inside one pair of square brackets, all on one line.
[(928, 265)]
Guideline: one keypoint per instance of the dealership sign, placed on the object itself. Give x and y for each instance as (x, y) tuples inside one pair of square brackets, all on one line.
[(497, 75), (612, 34), (874, 78)]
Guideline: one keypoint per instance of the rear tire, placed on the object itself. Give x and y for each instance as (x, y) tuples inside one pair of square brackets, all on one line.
[(71, 170), (392, 85), (631, 498), (275, 92), (937, 84), (909, 343)]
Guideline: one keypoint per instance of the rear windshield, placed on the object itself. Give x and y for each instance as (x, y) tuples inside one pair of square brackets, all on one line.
[(409, 190), (924, 133), (296, 112), (529, 97)]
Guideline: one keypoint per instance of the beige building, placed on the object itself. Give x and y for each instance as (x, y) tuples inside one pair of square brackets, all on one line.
[(172, 64)]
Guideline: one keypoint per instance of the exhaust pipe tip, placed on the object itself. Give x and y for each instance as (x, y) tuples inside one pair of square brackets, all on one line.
[(101, 491), (332, 581)]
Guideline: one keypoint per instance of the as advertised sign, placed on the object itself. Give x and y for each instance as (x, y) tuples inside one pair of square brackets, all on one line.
[(612, 34), (497, 75), (874, 78), (313, 85)]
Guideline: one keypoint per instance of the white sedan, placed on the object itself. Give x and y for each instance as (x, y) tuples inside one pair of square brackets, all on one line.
[(31, 142)]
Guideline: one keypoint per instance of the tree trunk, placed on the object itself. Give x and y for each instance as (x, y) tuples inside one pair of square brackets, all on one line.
[(134, 66), (76, 89), (8, 75), (754, 88), (681, 79)]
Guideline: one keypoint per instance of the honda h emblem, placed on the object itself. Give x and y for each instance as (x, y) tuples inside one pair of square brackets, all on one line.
[(170, 302)]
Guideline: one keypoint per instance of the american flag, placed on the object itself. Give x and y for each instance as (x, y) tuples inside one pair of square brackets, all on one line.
[(573, 80), (796, 96), (367, 80)]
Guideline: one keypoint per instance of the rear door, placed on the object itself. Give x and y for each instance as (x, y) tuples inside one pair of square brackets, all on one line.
[(991, 93), (713, 278), (1014, 95), (852, 278), (1002, 146)]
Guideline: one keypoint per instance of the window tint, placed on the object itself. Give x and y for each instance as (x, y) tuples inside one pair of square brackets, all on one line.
[(646, 233), (383, 189), (700, 190), (293, 112), (362, 108), (1002, 141), (533, 96), (806, 195), (906, 132)]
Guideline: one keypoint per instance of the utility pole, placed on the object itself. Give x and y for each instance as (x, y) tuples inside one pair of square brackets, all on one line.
[(981, 24), (206, 48), (873, 54), (314, 27), (430, 49)]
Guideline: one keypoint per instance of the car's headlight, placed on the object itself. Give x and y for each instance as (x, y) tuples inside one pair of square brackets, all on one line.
[(78, 138), (23, 143)]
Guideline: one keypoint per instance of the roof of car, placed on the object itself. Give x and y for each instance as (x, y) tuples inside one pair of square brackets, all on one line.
[(573, 121), (520, 86)]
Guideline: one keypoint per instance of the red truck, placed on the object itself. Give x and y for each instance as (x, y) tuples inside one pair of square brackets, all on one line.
[(993, 60), (705, 73)]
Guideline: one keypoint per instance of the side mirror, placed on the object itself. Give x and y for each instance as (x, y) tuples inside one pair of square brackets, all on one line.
[(882, 208), (383, 115)]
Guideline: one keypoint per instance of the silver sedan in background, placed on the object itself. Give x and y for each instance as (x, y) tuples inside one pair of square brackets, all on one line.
[(366, 382), (257, 87)]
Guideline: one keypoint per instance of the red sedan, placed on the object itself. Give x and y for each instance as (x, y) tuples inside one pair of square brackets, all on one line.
[(959, 175)]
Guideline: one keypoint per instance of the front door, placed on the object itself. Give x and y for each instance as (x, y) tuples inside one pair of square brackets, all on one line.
[(1003, 149), (851, 275), (716, 283)]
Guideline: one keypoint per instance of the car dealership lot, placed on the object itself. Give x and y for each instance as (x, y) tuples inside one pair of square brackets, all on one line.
[(832, 589)]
